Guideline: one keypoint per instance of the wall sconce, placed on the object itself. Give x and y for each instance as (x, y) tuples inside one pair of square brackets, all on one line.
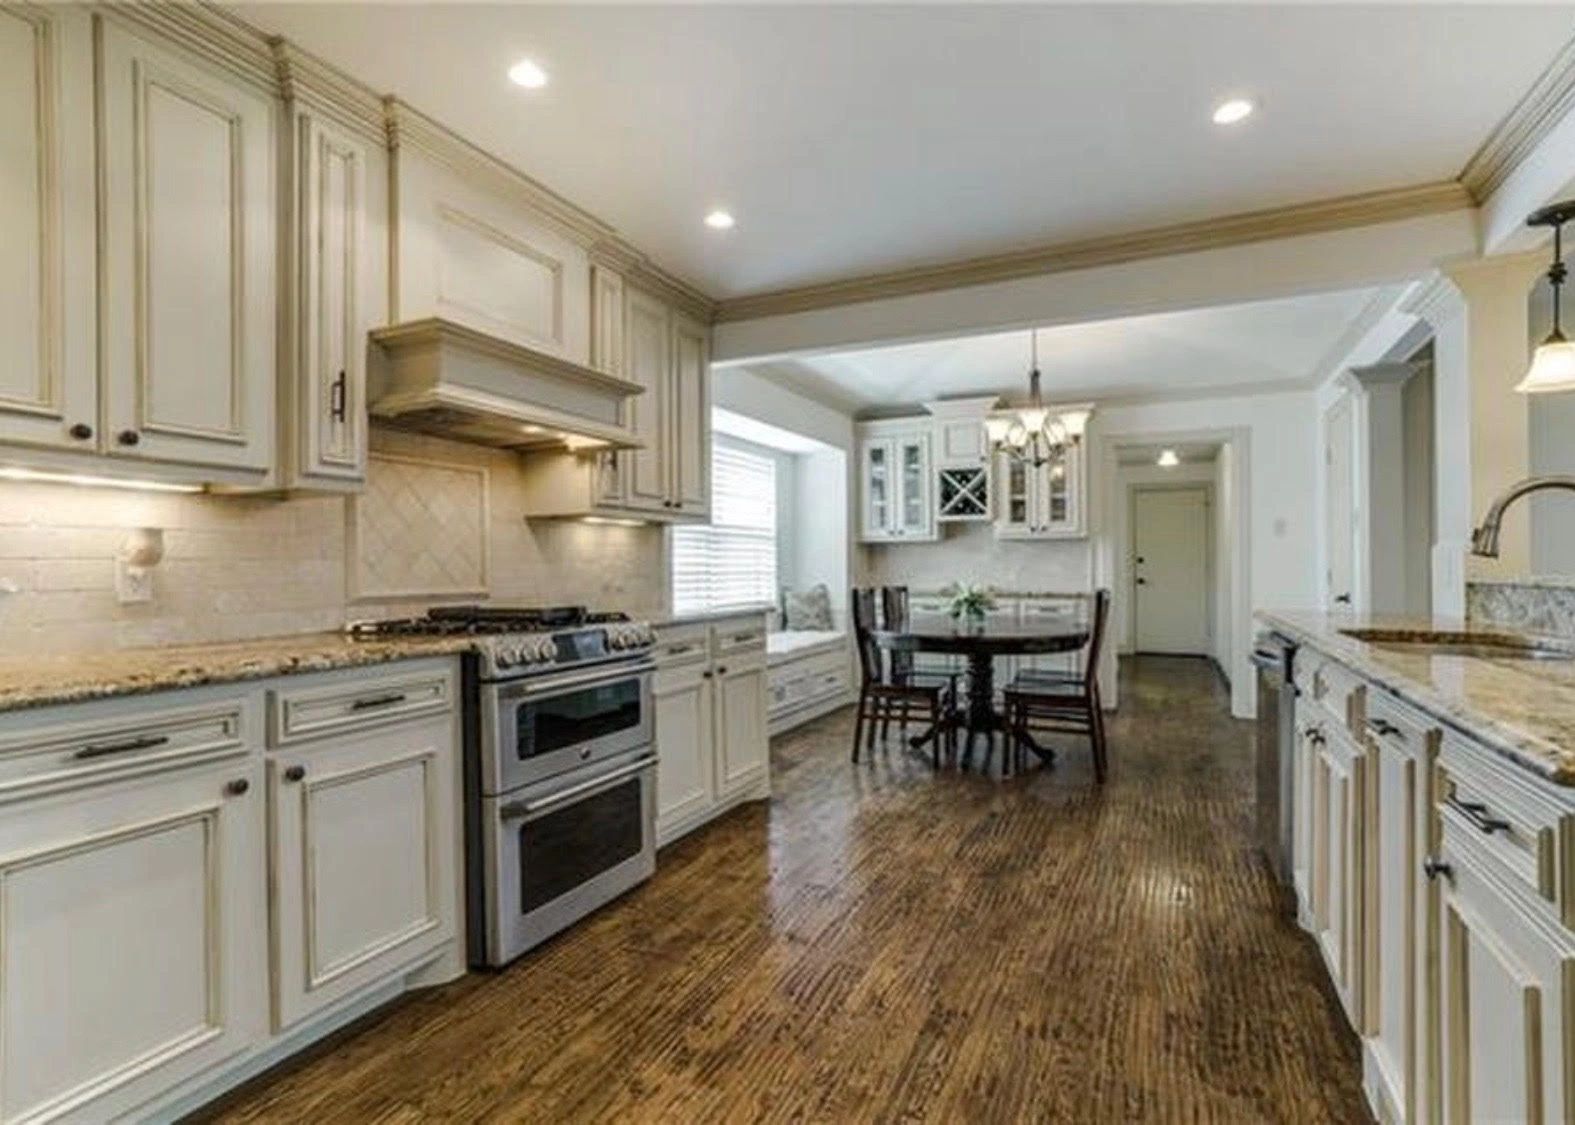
[(140, 552), (1553, 364)]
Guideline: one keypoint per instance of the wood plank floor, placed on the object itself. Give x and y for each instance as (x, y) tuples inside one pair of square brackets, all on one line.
[(884, 944)]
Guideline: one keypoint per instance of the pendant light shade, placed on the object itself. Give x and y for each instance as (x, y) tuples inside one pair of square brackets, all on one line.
[(1553, 363), (1035, 434)]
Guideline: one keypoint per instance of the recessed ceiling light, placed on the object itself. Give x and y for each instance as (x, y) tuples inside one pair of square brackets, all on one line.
[(1230, 112), (527, 74), (719, 220), (1168, 459)]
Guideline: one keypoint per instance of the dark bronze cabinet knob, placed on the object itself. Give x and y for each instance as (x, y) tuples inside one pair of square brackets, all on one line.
[(295, 773), (237, 787), (128, 437), (81, 431)]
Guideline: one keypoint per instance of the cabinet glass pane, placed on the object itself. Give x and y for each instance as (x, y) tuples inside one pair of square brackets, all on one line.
[(912, 485), (1056, 489), (1016, 492), (877, 473)]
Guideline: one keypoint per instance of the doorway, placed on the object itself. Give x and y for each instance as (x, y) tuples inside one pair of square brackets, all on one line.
[(1172, 570)]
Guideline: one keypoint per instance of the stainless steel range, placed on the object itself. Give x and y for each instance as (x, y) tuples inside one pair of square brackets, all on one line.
[(560, 769)]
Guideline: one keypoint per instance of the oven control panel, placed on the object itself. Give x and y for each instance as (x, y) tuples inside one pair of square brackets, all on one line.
[(531, 652)]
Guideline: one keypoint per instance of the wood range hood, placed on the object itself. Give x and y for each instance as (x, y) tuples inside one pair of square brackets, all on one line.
[(438, 377)]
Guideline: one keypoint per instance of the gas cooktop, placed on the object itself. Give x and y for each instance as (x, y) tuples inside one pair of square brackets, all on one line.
[(461, 620), (517, 640)]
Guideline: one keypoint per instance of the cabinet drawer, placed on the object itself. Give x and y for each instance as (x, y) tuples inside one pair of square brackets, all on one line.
[(115, 738), (681, 644), (732, 636), (314, 710), (1493, 810), (1395, 724), (1332, 686)]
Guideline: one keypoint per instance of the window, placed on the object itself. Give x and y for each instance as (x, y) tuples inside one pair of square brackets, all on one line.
[(732, 561)]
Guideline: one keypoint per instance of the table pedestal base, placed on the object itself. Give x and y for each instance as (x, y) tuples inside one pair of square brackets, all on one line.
[(981, 717)]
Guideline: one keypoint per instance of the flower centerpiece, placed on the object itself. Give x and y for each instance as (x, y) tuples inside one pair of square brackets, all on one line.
[(969, 602)]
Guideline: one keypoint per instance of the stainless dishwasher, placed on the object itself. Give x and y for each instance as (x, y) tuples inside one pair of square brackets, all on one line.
[(1273, 655)]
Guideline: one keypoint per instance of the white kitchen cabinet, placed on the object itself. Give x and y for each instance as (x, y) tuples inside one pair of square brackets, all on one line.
[(362, 830), (648, 340), (685, 781), (1041, 501), (712, 745), (188, 255), (1507, 994), (690, 422), (48, 383), (1337, 873), (896, 504), (133, 939), (336, 282)]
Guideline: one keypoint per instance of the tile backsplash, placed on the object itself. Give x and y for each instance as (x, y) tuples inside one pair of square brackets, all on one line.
[(236, 567), (1536, 605)]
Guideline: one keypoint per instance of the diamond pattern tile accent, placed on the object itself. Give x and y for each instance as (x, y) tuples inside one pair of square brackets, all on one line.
[(419, 529)]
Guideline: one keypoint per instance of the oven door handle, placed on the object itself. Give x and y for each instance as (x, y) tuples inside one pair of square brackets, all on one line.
[(531, 810), (536, 688)]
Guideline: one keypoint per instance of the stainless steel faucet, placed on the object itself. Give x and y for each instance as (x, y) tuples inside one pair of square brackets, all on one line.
[(1484, 540)]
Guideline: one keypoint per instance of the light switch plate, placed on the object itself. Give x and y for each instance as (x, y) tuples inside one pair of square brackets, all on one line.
[(133, 584)]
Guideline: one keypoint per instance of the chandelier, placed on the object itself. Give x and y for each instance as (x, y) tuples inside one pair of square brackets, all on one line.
[(1032, 434)]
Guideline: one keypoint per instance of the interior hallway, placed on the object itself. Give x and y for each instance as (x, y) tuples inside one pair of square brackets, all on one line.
[(908, 947)]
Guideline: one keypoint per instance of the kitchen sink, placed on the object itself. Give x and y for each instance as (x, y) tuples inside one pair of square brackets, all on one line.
[(1485, 645)]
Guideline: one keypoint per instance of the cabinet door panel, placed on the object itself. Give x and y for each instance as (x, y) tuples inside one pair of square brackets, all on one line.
[(129, 925), (877, 488), (684, 743), (188, 258), (1392, 994), (915, 512), (690, 432), (647, 338), (363, 861), (741, 725), (47, 383)]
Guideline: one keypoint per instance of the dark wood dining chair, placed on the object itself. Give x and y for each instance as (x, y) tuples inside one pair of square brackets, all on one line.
[(885, 694), (1063, 702)]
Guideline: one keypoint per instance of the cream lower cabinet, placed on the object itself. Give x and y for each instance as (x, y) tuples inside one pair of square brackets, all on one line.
[(1338, 882), (712, 745), (133, 918)]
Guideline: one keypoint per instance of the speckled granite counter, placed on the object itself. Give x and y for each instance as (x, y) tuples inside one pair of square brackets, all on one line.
[(1522, 709), (41, 681)]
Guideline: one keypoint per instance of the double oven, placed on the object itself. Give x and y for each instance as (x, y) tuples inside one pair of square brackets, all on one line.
[(561, 801)]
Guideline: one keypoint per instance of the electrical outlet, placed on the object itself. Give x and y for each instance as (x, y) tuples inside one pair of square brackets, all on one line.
[(133, 584)]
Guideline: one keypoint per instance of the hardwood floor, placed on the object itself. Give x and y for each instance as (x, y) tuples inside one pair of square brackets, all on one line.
[(883, 943)]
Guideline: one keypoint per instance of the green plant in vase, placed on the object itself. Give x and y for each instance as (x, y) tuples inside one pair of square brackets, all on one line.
[(969, 602)]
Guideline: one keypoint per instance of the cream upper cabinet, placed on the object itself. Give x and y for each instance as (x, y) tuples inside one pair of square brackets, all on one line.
[(48, 383), (649, 362), (188, 257), (133, 939), (895, 499), (337, 269), (690, 437), (1041, 501)]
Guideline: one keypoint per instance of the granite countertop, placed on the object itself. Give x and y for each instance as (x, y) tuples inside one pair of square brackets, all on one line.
[(41, 681), (1522, 709)]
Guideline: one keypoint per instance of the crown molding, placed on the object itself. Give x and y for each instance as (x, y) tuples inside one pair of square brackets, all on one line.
[(1181, 238), (208, 32), (307, 79), (1523, 128)]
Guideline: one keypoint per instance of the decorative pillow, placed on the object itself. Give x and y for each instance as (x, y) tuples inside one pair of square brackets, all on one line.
[(809, 610)]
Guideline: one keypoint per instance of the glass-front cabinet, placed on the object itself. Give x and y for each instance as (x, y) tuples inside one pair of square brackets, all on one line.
[(1041, 501), (894, 484)]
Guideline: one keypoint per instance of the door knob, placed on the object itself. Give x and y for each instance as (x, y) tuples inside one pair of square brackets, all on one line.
[(1142, 581), (1343, 599)]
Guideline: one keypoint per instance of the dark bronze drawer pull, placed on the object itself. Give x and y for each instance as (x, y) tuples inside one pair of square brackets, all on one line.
[(1385, 728), (372, 701), (1477, 814), (104, 750), (1433, 868)]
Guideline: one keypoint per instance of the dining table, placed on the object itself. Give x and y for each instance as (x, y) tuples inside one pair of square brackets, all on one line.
[(980, 642)]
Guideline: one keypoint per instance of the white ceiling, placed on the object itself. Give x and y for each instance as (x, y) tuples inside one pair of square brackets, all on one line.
[(855, 138), (1262, 345)]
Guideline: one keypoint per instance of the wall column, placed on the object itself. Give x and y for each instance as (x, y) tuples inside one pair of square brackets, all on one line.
[(1479, 313)]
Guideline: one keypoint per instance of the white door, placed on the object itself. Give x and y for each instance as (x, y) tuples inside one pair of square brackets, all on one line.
[(363, 860), (741, 738), (1339, 448), (189, 253), (131, 940), (681, 700), (1170, 570), (48, 386), (649, 344)]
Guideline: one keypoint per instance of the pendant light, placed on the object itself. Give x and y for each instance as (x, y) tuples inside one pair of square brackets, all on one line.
[(1553, 364), (1033, 434)]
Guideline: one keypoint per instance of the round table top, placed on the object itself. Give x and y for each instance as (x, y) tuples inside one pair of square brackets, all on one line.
[(936, 632)]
